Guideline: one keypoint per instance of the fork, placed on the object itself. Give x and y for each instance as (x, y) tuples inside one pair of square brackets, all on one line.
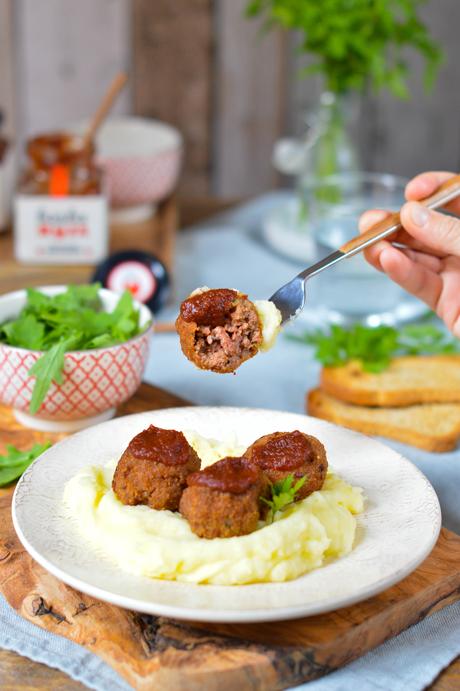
[(290, 299)]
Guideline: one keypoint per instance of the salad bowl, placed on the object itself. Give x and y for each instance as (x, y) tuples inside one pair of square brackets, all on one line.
[(94, 381)]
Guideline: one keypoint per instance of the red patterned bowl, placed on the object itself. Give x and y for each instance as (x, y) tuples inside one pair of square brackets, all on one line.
[(141, 158), (95, 381)]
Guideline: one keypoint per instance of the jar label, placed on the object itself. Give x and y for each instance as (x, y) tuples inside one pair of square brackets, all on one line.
[(60, 230), (133, 276)]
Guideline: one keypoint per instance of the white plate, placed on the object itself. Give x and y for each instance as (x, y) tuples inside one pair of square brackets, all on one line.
[(396, 532)]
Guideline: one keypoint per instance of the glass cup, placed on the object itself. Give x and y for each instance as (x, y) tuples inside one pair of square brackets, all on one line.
[(353, 290)]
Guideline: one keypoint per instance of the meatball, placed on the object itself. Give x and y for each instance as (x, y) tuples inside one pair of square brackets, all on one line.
[(219, 329), (223, 500), (283, 453), (153, 469)]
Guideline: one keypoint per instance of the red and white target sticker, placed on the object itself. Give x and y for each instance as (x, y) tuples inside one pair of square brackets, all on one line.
[(133, 276)]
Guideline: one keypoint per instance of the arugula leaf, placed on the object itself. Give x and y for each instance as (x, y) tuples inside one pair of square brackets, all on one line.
[(15, 461), (36, 301), (84, 295), (375, 347), (25, 332), (73, 319), (282, 494), (125, 317), (48, 368), (101, 341)]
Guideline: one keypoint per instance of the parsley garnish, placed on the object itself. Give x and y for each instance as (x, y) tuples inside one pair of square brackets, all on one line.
[(375, 347), (283, 494), (72, 320), (356, 44), (15, 462)]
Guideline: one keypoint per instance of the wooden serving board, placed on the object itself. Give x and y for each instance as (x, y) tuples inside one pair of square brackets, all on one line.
[(162, 654)]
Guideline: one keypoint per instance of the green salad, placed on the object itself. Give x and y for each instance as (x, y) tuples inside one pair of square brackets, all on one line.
[(72, 320)]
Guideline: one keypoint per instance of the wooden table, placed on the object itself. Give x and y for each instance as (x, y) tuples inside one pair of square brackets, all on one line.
[(19, 673)]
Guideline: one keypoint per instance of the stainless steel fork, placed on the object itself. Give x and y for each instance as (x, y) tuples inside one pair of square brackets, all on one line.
[(290, 299)]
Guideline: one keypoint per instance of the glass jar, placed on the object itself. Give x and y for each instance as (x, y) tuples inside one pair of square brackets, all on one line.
[(60, 164), (60, 207)]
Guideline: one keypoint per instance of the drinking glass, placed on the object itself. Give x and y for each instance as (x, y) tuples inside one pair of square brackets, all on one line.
[(353, 290)]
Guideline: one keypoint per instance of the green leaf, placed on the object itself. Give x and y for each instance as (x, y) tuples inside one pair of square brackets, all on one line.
[(125, 318), (282, 494), (25, 332), (86, 294), (36, 301), (8, 475), (102, 341), (375, 347), (48, 368), (15, 461), (355, 43)]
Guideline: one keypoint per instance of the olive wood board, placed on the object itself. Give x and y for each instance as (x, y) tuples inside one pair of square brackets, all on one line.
[(162, 654)]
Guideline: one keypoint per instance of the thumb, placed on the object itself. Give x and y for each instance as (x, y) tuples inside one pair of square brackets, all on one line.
[(436, 231)]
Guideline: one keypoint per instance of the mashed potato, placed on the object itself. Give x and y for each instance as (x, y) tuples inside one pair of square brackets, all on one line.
[(270, 318), (269, 315), (160, 544)]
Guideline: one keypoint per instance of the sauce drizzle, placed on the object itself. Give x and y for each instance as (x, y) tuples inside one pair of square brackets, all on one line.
[(163, 445), (282, 451), (234, 475), (210, 308)]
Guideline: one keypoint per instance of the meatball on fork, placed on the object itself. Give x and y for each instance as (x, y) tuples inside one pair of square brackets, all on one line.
[(219, 329)]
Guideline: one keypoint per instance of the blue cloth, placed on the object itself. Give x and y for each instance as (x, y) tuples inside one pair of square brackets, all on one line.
[(227, 253)]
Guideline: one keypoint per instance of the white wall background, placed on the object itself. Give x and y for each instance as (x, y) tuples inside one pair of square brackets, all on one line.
[(66, 52), (60, 55)]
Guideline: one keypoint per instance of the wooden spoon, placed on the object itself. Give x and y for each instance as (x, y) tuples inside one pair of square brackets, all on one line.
[(104, 107)]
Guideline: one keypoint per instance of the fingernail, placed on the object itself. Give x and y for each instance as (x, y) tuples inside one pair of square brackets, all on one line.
[(419, 215)]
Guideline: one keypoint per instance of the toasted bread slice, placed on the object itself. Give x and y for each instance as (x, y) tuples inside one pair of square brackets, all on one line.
[(430, 426), (407, 380)]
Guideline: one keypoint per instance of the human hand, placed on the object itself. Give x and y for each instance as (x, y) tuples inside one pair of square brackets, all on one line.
[(429, 264)]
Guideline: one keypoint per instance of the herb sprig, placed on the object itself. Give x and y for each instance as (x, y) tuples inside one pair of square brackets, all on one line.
[(357, 44), (375, 347), (15, 461), (72, 320), (282, 495)]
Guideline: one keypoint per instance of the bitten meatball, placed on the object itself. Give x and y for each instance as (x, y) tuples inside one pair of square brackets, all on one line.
[(154, 468), (223, 500), (284, 453), (219, 329)]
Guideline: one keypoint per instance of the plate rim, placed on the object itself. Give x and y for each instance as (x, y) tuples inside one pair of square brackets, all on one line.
[(233, 615)]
